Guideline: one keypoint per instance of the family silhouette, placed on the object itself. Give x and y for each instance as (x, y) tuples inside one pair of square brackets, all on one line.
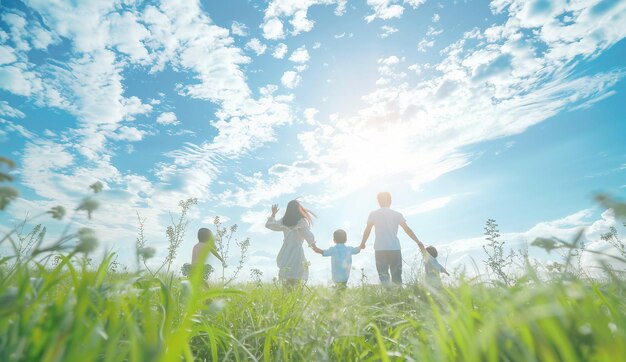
[(296, 223), (296, 226)]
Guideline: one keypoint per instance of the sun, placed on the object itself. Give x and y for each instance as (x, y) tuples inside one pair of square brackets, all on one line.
[(373, 156)]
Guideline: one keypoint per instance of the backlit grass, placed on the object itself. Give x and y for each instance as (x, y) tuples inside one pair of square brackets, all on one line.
[(74, 313)]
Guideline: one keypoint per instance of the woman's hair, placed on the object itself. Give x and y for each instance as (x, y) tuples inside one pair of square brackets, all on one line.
[(295, 212)]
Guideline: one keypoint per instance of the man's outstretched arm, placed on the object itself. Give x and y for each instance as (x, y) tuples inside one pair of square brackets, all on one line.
[(411, 234), (366, 235)]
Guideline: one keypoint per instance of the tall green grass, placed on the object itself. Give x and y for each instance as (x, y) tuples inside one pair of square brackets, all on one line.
[(75, 313), (70, 311)]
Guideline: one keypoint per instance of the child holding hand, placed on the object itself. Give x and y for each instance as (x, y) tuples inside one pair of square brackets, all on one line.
[(340, 258), (432, 267)]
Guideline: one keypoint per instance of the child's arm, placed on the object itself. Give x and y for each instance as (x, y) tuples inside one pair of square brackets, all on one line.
[(214, 252), (443, 270), (317, 250)]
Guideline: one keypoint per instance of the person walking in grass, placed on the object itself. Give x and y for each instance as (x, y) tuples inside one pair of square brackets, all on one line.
[(296, 228), (432, 267), (200, 251), (340, 258), (206, 240), (385, 222)]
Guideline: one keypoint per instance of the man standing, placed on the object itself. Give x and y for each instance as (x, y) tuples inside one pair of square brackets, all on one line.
[(387, 244)]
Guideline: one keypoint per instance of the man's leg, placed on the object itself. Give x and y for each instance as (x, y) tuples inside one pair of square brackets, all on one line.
[(395, 264), (382, 265)]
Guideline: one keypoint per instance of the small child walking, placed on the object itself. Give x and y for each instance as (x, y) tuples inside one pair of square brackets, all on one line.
[(432, 267), (340, 258)]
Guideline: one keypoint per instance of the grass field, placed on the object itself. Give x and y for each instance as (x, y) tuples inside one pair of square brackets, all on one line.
[(74, 313), (55, 306)]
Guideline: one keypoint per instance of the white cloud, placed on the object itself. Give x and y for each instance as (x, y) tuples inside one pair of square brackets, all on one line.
[(273, 29), (130, 134), (426, 206), (388, 9), (7, 55), (428, 42), (504, 95), (387, 71), (290, 79), (436, 18), (309, 115), (417, 68), (300, 23), (283, 179), (217, 64), (168, 118), (384, 9), (432, 31), (26, 35), (414, 3), (387, 30), (18, 80), (128, 35), (295, 11), (256, 46), (90, 86), (300, 55), (424, 44), (17, 128), (239, 29), (7, 111), (280, 51), (17, 29)]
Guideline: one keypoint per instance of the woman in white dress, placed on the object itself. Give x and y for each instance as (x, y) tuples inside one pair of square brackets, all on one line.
[(296, 227)]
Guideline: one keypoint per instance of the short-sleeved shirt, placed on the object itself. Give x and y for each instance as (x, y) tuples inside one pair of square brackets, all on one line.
[(341, 261), (386, 222), (432, 269)]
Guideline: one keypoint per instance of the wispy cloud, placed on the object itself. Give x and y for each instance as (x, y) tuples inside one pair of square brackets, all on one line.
[(387, 31), (426, 206), (492, 84), (239, 29)]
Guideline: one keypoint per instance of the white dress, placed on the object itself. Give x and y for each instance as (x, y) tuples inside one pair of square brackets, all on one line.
[(291, 261)]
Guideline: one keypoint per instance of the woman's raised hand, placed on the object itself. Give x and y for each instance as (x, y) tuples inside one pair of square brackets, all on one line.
[(274, 209)]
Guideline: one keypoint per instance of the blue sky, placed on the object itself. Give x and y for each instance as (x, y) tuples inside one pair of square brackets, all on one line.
[(464, 111)]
